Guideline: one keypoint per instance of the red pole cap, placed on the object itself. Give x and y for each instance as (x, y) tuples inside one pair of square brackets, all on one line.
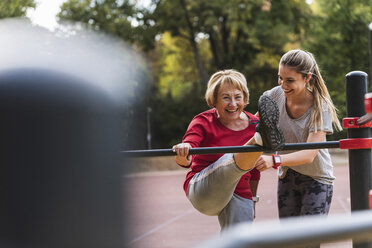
[(368, 102)]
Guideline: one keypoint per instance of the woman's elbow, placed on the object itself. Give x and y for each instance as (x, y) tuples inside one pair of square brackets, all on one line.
[(309, 160), (308, 156)]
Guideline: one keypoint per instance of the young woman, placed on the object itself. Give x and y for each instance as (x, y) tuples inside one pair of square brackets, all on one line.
[(226, 185), (306, 115)]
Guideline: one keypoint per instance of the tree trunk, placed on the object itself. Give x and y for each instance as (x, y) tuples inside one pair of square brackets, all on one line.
[(194, 45), (225, 34), (214, 49)]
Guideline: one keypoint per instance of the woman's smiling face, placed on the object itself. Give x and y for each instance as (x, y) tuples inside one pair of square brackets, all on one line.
[(229, 102), (292, 82)]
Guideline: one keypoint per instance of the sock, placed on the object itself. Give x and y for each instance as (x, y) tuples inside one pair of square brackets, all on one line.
[(258, 139)]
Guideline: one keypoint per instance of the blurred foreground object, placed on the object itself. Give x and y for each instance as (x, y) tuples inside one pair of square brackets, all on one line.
[(307, 231), (60, 167)]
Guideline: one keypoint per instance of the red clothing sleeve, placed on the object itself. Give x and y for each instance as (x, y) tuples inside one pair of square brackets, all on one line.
[(195, 133)]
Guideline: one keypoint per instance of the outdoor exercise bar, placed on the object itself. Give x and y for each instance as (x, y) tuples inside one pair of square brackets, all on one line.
[(231, 149), (359, 159), (296, 232)]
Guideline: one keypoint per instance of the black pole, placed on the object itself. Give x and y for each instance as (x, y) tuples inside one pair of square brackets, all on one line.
[(60, 172), (230, 149), (360, 159), (370, 46), (148, 116)]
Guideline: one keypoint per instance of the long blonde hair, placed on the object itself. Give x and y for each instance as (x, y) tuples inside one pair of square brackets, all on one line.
[(304, 62)]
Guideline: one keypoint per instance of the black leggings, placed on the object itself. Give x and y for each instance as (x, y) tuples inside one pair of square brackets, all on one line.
[(300, 195)]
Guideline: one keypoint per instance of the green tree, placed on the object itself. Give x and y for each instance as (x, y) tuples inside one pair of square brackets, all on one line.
[(239, 33), (11, 8), (223, 34), (339, 37), (175, 98), (120, 18), (187, 41)]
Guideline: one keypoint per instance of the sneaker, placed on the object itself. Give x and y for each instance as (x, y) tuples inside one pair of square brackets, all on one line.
[(271, 134)]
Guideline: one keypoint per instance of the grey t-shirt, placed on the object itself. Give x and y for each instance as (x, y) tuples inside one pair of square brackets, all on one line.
[(297, 131)]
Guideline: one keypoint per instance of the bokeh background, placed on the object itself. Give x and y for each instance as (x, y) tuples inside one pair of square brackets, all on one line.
[(183, 42)]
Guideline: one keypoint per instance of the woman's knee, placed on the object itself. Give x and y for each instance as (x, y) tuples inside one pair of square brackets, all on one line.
[(205, 205)]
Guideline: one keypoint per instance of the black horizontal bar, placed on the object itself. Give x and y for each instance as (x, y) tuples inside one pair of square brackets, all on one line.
[(231, 149)]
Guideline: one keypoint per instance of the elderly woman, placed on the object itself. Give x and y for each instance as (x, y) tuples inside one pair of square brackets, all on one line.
[(225, 185)]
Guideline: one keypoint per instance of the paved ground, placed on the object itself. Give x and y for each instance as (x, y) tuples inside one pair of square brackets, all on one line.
[(162, 217)]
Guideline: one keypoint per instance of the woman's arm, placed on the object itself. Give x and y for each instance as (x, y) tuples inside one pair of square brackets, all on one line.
[(194, 135), (304, 156), (296, 158)]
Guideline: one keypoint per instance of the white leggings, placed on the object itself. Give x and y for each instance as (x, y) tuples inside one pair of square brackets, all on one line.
[(211, 192)]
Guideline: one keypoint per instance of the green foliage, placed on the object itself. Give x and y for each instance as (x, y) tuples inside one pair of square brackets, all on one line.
[(15, 8), (177, 75), (187, 40), (233, 34), (172, 117), (338, 38), (112, 16)]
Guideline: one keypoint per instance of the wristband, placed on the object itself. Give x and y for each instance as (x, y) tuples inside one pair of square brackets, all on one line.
[(277, 161)]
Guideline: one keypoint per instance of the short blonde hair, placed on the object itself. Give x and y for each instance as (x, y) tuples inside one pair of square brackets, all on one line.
[(220, 78)]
